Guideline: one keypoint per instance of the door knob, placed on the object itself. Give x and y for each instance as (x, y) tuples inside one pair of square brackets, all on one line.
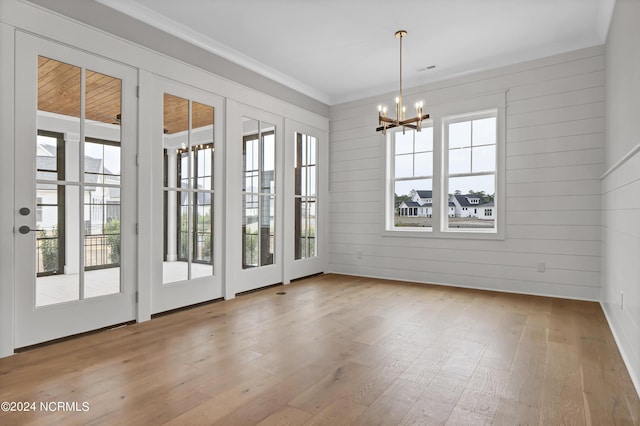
[(24, 229), (24, 211)]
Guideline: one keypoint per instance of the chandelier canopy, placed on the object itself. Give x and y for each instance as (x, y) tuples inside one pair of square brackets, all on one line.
[(400, 120)]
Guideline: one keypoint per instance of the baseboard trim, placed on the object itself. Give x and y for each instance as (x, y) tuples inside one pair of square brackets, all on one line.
[(635, 378), (497, 290)]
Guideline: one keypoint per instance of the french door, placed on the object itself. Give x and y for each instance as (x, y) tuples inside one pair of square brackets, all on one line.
[(254, 211), (305, 163), (188, 156), (75, 151)]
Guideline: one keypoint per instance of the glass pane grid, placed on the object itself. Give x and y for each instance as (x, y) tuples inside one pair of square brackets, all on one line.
[(78, 232), (189, 182), (412, 179), (305, 189), (472, 174)]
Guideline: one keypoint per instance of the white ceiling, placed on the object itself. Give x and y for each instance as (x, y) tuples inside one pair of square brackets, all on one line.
[(341, 50)]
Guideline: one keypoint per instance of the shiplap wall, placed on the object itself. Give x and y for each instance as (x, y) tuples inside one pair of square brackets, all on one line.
[(554, 160), (621, 185)]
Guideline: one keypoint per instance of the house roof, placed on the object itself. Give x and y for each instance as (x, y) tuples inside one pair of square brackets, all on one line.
[(424, 193), (411, 204), (93, 168), (464, 202)]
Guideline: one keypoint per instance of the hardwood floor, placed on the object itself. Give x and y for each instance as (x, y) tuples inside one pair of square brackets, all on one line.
[(338, 350)]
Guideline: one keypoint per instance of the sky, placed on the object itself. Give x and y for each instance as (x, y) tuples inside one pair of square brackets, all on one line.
[(472, 149)]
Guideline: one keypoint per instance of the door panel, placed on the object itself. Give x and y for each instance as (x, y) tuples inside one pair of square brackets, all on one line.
[(188, 267), (254, 183), (76, 182), (305, 162)]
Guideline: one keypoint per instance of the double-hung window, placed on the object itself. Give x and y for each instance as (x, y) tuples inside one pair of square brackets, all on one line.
[(446, 180), (412, 182), (469, 147)]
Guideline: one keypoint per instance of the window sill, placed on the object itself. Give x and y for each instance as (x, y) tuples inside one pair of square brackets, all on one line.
[(450, 234)]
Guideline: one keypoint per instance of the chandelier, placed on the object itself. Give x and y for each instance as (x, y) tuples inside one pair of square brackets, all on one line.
[(401, 110)]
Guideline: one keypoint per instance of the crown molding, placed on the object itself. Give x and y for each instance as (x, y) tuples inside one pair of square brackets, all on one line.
[(168, 25)]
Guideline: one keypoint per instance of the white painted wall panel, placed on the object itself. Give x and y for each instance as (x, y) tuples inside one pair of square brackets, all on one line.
[(555, 173), (567, 128), (557, 203), (558, 100), (554, 217), (554, 160), (511, 245), (559, 144), (543, 189), (556, 115), (621, 185), (482, 257), (559, 86), (555, 232)]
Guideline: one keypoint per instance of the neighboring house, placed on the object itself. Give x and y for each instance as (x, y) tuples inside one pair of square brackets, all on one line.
[(102, 204), (421, 204), (469, 205)]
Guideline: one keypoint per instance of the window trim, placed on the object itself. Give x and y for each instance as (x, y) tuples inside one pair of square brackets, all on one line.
[(439, 112)]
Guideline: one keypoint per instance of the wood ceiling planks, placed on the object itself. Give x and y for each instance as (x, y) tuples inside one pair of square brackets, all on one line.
[(176, 114), (59, 93)]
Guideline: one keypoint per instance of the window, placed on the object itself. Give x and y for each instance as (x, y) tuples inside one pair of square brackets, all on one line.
[(446, 180), (469, 144), (412, 177)]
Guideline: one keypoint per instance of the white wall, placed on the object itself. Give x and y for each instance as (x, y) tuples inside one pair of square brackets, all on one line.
[(621, 185), (554, 160)]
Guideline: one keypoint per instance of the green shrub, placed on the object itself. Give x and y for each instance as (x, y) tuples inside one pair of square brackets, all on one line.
[(112, 232), (49, 250)]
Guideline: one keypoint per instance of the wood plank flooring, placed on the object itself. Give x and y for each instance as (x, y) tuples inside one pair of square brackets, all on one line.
[(338, 350)]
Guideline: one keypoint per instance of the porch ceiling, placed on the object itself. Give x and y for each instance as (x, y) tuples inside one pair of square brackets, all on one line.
[(59, 92)]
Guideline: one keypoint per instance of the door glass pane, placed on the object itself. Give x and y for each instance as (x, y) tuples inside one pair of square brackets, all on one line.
[(305, 187), (101, 198), (258, 193), (267, 229), (250, 246), (57, 206), (268, 159), (176, 195), (189, 152), (203, 154)]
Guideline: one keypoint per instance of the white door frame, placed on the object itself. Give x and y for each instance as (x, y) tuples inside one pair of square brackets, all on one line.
[(35, 325), (7, 208)]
